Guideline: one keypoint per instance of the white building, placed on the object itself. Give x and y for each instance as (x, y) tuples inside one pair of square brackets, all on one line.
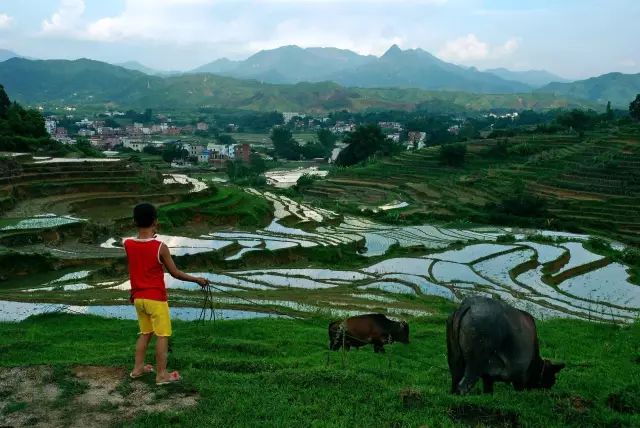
[(220, 151), (86, 132), (288, 115), (138, 146), (50, 125), (84, 122), (204, 157)]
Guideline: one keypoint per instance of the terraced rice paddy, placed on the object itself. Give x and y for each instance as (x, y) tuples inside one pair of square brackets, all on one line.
[(288, 178), (592, 184), (544, 277), (43, 221), (196, 185), (523, 273)]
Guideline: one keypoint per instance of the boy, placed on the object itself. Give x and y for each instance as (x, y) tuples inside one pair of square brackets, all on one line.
[(147, 258)]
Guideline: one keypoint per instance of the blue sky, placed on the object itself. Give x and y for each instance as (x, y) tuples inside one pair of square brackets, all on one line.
[(575, 39)]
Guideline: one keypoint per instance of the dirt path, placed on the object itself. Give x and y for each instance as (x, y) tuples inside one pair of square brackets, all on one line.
[(83, 396)]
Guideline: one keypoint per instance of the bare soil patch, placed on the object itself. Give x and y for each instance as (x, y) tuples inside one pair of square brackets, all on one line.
[(82, 396)]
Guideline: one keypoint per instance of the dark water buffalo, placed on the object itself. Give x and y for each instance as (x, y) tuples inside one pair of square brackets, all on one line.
[(362, 330), (490, 340)]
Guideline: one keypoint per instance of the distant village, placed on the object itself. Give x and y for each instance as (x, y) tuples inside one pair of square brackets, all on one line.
[(139, 136)]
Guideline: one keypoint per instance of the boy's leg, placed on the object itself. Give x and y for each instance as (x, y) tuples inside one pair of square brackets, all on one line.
[(146, 332), (162, 348), (161, 320), (141, 350)]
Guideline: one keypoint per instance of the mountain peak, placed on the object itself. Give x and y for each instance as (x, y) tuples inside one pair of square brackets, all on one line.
[(393, 50)]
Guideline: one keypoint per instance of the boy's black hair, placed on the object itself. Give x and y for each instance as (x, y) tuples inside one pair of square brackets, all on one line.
[(144, 214)]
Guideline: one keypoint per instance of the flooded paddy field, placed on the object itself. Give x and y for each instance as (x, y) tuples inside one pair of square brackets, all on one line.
[(546, 273)]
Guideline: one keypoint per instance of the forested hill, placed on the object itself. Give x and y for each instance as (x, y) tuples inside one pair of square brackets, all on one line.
[(84, 81), (618, 88)]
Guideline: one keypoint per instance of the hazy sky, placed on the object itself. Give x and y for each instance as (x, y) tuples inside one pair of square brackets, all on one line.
[(573, 38)]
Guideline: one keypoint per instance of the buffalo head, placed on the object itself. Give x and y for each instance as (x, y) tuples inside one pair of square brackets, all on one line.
[(402, 333), (547, 377)]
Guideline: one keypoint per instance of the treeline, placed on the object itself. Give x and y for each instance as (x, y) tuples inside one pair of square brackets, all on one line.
[(245, 121), (22, 130), (285, 146)]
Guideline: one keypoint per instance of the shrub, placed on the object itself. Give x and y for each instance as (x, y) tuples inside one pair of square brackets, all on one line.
[(523, 149), (453, 154)]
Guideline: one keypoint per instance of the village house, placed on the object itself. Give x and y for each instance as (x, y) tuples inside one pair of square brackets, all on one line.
[(50, 125), (416, 140), (202, 126), (390, 125), (242, 152), (137, 146), (84, 123), (288, 115), (204, 156), (86, 132)]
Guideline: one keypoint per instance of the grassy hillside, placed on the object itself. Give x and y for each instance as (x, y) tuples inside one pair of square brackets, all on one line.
[(91, 82), (589, 184), (274, 372)]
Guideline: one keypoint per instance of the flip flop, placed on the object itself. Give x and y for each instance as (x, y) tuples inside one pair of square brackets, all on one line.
[(173, 378), (146, 369)]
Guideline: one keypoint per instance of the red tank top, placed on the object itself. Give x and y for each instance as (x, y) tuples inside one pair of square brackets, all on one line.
[(146, 272)]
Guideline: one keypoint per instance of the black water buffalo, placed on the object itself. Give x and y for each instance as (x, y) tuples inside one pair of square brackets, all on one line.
[(362, 330), (490, 340)]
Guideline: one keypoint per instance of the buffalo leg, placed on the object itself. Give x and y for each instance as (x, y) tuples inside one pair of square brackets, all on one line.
[(456, 377), (487, 384), (518, 385), (378, 347), (469, 379)]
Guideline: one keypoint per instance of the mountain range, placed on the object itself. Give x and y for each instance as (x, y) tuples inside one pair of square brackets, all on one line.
[(137, 66), (412, 68), (7, 54), (84, 81), (533, 78)]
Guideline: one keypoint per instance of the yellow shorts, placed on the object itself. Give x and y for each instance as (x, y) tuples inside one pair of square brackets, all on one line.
[(153, 317)]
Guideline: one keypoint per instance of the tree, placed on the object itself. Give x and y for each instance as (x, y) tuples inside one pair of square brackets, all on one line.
[(173, 151), (609, 111), (257, 165), (284, 144), (152, 150), (5, 103), (364, 142), (453, 154), (111, 123), (577, 120), (314, 149), (327, 139), (226, 139), (634, 108)]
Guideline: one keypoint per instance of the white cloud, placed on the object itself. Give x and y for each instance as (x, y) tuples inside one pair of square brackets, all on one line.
[(238, 27), (630, 63), (66, 18), (471, 48), (6, 21)]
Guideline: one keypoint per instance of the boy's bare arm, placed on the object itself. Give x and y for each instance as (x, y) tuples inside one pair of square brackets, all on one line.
[(167, 261)]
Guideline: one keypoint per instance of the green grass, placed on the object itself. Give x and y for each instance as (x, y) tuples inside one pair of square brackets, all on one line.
[(223, 205), (276, 372)]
